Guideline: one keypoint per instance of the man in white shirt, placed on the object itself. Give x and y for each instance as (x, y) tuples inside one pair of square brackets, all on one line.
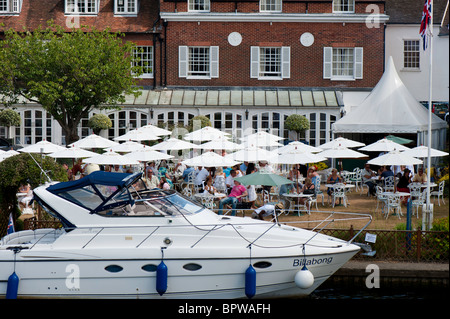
[(201, 177)]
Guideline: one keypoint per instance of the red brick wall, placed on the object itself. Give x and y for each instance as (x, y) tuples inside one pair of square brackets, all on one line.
[(306, 62)]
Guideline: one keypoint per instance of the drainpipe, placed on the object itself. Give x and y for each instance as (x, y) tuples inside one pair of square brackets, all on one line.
[(165, 24)]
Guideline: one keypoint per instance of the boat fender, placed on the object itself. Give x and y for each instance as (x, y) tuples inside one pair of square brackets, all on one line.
[(13, 286), (161, 278), (304, 278), (250, 282)]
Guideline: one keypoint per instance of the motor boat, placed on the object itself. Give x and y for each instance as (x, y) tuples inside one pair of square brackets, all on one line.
[(121, 240)]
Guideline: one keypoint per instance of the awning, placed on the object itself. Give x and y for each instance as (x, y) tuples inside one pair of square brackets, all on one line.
[(207, 97)]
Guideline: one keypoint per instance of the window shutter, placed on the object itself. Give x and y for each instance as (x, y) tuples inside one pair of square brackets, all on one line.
[(358, 63), (214, 61), (327, 62), (285, 62), (254, 62), (183, 61)]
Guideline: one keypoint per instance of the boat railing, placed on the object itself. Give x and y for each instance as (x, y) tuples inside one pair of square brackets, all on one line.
[(207, 229)]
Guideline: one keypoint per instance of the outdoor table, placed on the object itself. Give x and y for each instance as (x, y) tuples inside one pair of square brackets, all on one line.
[(216, 195), (296, 196), (399, 194), (345, 185)]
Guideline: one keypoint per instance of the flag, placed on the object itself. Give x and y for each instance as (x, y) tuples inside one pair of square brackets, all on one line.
[(10, 229), (425, 24)]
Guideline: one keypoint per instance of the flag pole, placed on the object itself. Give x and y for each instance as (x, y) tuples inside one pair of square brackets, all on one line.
[(429, 211)]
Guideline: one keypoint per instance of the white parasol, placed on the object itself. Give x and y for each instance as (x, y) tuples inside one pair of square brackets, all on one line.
[(174, 144), (136, 135), (221, 143), (7, 154), (210, 159), (94, 141), (147, 155), (127, 147), (298, 157), (422, 152), (297, 146), (110, 158), (43, 146), (72, 152), (154, 130), (394, 157), (341, 141), (340, 151), (251, 154), (262, 139), (207, 133), (383, 145)]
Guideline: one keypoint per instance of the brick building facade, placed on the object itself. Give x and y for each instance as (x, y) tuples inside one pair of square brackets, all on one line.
[(246, 65)]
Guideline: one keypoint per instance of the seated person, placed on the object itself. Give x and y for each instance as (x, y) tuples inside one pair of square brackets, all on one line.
[(237, 192), (308, 188), (267, 210), (294, 175), (209, 188), (229, 180), (151, 180), (403, 182), (420, 177), (386, 172), (366, 175), (334, 178)]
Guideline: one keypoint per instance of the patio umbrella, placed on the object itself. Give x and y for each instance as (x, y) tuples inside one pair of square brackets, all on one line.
[(110, 158), (399, 140), (262, 139), (221, 143), (42, 147), (394, 157), (341, 152), (207, 133), (251, 154), (174, 144), (154, 130), (127, 147), (264, 179), (73, 152), (136, 135), (297, 146), (147, 155), (383, 145), (94, 141), (210, 159), (7, 154), (299, 157), (341, 141), (422, 152)]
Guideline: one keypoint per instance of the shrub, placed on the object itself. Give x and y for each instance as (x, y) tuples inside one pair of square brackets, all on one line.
[(296, 122), (99, 122)]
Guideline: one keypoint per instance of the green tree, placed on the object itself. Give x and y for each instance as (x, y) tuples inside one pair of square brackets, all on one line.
[(68, 73), (9, 118), (22, 169), (297, 123), (99, 122)]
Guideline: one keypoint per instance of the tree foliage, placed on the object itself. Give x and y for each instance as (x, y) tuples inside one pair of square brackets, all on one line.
[(99, 122), (68, 73), (22, 169), (296, 122), (9, 118)]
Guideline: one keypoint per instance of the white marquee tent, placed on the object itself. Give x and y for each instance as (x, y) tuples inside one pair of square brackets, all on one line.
[(390, 108)]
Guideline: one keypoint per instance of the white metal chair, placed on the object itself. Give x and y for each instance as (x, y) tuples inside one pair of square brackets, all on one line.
[(318, 191), (419, 202), (439, 193), (207, 201), (220, 185), (339, 192), (389, 184), (380, 197), (393, 203)]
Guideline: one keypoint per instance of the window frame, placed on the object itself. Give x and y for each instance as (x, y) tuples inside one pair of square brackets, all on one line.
[(340, 4), (184, 58), (411, 58), (126, 11), (263, 4), (12, 7), (145, 75), (284, 63), (192, 3), (67, 10), (329, 64)]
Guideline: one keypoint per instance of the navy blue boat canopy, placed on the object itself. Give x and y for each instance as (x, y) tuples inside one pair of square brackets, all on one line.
[(97, 191), (97, 177)]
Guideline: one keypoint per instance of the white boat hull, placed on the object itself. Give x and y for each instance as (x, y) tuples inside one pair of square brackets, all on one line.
[(217, 278)]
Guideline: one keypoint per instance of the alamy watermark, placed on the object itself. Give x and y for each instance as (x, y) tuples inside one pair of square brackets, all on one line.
[(373, 279)]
